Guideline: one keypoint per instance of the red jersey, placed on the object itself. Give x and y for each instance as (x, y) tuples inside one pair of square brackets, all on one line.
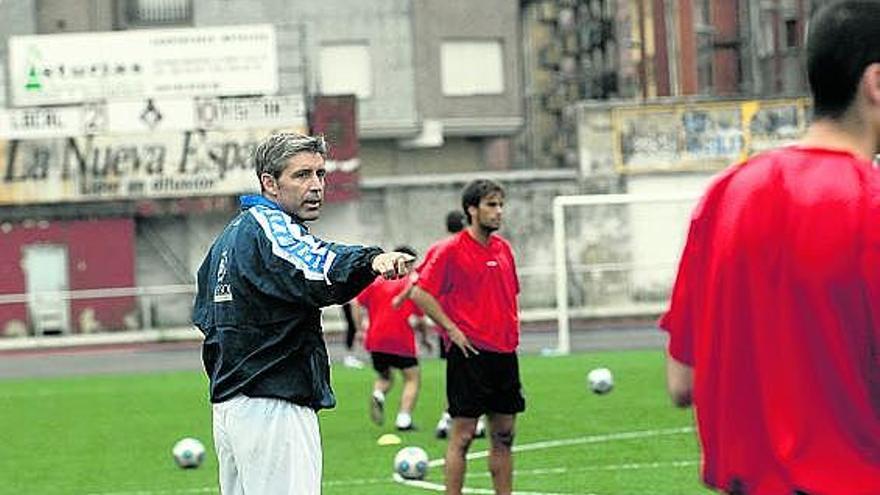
[(477, 287), (389, 330), (777, 309), (429, 255)]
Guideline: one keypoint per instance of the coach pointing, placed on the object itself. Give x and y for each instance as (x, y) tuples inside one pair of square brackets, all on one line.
[(260, 290)]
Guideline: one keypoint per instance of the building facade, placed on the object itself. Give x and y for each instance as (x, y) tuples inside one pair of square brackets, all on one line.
[(426, 122)]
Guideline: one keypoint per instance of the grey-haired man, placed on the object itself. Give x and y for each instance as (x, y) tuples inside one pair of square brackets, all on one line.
[(261, 290)]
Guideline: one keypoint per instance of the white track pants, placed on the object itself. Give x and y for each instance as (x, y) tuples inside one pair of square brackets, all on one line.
[(267, 447)]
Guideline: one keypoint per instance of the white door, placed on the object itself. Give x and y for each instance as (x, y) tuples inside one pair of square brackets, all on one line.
[(45, 271)]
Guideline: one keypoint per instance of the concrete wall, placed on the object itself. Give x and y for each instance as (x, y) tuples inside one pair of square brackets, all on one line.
[(385, 215), (169, 252), (69, 16), (436, 22), (384, 158), (658, 230), (303, 26)]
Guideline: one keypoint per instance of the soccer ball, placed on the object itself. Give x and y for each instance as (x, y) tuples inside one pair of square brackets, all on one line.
[(600, 380), (411, 463), (188, 453)]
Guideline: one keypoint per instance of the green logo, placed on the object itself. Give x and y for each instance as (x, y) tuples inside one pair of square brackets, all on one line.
[(33, 81)]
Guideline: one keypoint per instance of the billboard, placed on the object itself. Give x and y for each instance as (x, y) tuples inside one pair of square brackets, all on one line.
[(82, 67), (704, 135), (41, 122), (154, 115), (123, 167)]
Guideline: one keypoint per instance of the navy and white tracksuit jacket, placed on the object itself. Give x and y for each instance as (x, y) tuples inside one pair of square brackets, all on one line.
[(260, 290)]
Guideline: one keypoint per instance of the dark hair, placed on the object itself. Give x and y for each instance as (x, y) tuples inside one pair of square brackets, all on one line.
[(475, 191), (454, 221), (843, 38), (403, 248), (271, 155)]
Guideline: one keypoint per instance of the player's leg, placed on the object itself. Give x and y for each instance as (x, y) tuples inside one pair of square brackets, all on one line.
[(277, 446), (350, 360), (445, 421), (466, 398), (501, 434), (501, 376), (411, 381), (460, 437), (381, 385), (480, 432), (230, 483), (443, 425), (350, 328)]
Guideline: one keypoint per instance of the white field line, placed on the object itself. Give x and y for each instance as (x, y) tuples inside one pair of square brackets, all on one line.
[(427, 485), (549, 444), (536, 472), (634, 466)]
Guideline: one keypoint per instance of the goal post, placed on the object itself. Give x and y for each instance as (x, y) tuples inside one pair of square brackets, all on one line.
[(615, 255)]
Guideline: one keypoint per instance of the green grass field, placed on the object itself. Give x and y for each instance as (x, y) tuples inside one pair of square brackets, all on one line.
[(106, 435)]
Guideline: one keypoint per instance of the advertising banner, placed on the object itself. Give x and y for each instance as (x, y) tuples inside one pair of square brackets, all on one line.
[(702, 136), (146, 63), (134, 166), (41, 122), (154, 115)]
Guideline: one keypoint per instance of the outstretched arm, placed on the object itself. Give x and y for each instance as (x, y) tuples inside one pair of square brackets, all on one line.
[(357, 313), (679, 382), (420, 326), (295, 265), (405, 294), (432, 308)]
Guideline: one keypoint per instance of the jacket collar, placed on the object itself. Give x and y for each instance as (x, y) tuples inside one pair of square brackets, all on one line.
[(250, 200)]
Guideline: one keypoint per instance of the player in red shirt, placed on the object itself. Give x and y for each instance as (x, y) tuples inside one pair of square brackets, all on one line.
[(391, 342), (454, 224), (774, 322), (473, 276)]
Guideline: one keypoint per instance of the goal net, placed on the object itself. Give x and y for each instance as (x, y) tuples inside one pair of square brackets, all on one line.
[(616, 255)]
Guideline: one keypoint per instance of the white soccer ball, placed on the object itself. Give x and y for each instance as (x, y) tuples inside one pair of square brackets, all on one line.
[(600, 380), (411, 463), (188, 453)]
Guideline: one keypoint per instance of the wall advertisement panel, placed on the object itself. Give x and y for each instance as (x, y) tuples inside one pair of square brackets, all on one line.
[(79, 67), (134, 166), (702, 136)]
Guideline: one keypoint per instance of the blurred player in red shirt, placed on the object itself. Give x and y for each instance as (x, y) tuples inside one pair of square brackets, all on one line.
[(470, 288), (390, 339), (774, 322)]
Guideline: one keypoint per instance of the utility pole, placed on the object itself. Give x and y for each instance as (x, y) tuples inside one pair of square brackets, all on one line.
[(754, 39), (670, 13)]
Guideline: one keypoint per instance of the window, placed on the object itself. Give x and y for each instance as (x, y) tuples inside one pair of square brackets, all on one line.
[(472, 68), (767, 41), (345, 70), (791, 33), (141, 13)]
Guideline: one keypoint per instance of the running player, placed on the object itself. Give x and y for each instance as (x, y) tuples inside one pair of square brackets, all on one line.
[(392, 345)]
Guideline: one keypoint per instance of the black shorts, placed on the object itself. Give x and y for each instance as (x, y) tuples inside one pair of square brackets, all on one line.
[(484, 383), (441, 344), (383, 361)]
